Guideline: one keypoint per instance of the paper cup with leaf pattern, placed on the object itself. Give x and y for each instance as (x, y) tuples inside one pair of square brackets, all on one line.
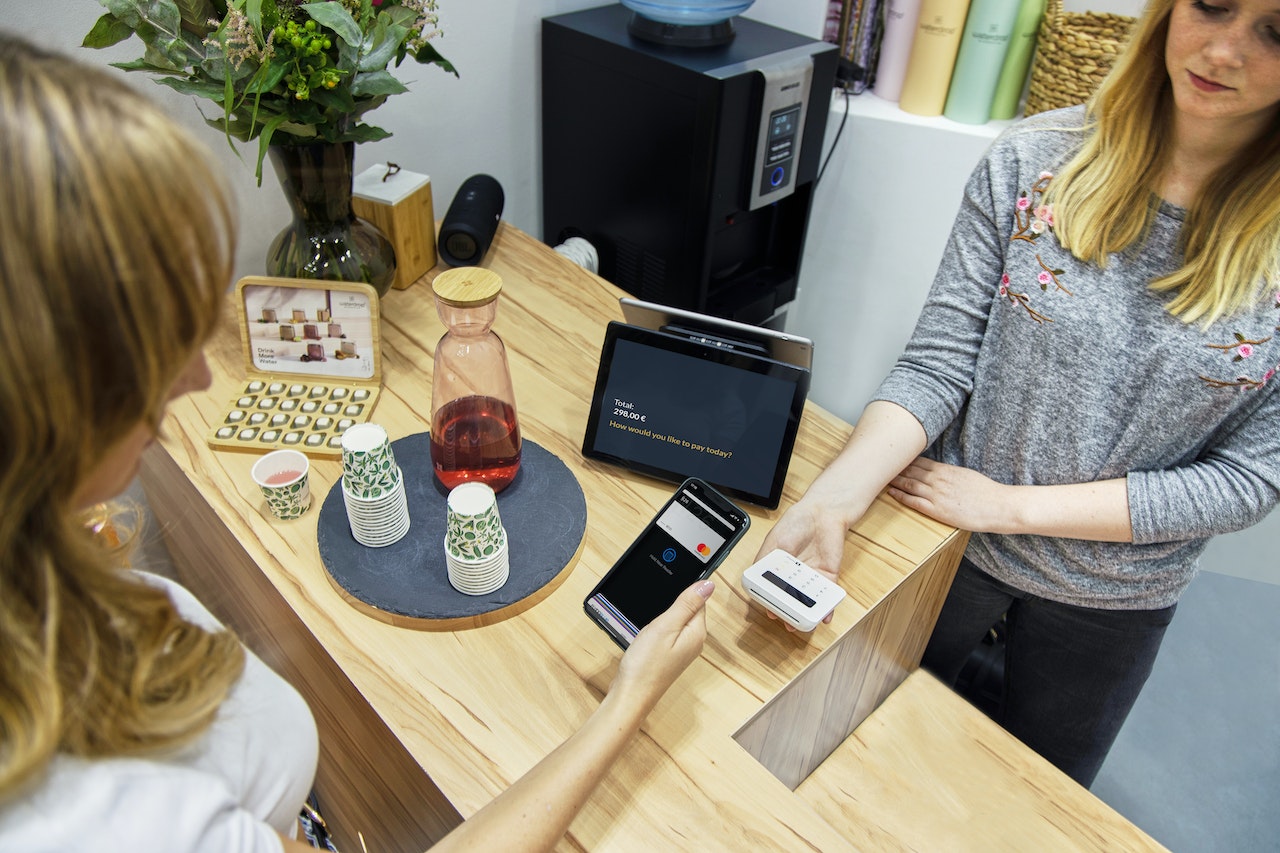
[(282, 477), (473, 528), (368, 464)]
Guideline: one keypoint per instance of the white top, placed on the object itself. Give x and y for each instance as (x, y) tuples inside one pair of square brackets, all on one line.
[(230, 792), (379, 183)]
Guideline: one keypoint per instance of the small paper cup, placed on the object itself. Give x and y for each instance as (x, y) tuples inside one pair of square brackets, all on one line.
[(368, 465), (282, 476), (473, 528), (380, 521), (479, 577)]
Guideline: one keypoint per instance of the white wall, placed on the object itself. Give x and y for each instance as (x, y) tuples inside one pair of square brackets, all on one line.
[(449, 128), (881, 216)]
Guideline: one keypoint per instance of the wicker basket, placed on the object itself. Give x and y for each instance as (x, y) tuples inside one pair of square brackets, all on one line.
[(1074, 51)]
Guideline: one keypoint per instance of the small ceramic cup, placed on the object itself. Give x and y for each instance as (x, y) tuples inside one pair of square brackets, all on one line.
[(473, 528), (282, 476)]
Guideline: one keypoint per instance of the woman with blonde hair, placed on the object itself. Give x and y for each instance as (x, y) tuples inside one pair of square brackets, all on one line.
[(1091, 381), (130, 719)]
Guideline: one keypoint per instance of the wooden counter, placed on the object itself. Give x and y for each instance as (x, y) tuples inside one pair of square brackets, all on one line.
[(422, 728)]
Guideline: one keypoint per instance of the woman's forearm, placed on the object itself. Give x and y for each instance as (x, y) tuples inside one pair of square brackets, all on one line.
[(964, 498), (1095, 511), (884, 441), (535, 812)]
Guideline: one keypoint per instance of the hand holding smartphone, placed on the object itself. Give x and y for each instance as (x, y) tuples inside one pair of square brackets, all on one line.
[(684, 543)]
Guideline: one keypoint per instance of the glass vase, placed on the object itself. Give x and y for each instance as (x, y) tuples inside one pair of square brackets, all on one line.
[(326, 240)]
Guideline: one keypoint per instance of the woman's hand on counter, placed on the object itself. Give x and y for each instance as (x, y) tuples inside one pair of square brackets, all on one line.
[(1096, 511)]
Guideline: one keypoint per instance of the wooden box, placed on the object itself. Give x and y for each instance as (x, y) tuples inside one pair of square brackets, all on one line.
[(401, 207)]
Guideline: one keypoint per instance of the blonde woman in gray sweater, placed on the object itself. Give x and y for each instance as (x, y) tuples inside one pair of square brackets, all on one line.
[(1090, 387)]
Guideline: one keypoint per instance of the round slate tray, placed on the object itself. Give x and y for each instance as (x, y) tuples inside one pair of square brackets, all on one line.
[(545, 516)]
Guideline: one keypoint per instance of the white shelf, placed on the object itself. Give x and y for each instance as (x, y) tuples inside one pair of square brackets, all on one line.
[(870, 106)]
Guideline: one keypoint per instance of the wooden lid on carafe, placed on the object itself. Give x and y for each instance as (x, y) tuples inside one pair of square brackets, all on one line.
[(467, 287)]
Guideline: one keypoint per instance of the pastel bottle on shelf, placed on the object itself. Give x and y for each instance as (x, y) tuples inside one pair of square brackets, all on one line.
[(933, 56), (900, 18), (982, 50), (1017, 62)]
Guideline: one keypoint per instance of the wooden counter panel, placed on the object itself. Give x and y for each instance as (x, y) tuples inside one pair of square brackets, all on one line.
[(928, 767), (813, 714)]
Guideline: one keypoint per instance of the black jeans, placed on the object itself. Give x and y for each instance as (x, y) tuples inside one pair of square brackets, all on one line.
[(1071, 673)]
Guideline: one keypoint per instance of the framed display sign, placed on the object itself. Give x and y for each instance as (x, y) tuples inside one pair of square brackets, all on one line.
[(312, 362)]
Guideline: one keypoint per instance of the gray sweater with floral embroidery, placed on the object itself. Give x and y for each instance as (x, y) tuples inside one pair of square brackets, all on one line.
[(1035, 368)]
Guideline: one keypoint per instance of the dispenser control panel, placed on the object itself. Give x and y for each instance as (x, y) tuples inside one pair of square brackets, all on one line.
[(782, 112), (779, 159)]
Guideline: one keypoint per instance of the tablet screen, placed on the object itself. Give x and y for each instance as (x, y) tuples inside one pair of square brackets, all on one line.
[(675, 408)]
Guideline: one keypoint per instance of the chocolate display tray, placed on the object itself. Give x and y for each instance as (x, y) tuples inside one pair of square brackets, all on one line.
[(313, 364)]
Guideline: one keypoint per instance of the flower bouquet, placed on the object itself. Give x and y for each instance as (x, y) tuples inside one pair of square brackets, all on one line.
[(279, 71)]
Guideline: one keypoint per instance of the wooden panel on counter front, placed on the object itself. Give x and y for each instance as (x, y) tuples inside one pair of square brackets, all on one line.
[(802, 725)]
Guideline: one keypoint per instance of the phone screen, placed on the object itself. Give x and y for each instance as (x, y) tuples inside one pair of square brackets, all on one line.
[(684, 543)]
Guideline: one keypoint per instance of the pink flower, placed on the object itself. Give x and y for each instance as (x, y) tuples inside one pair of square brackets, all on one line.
[(1045, 212), (1024, 203), (1004, 289), (1266, 377), (1004, 279), (1044, 278), (1038, 226), (1244, 350), (1046, 175)]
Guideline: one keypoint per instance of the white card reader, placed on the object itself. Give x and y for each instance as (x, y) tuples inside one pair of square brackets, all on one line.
[(794, 592)]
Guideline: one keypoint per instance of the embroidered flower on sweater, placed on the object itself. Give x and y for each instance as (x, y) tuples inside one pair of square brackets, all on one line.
[(1241, 349), (1032, 219)]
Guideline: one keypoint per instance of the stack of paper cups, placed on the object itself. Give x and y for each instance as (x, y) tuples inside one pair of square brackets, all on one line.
[(373, 487), (475, 543)]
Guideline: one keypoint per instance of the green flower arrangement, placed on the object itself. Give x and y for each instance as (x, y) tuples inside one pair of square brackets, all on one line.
[(280, 71)]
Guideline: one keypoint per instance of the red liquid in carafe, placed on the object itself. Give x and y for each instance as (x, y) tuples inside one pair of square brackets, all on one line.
[(476, 438)]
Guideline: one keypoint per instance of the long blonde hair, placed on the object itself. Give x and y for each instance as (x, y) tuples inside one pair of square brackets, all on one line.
[(1102, 199), (117, 247)]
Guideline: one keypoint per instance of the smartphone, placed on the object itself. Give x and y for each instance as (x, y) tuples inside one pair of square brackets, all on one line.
[(691, 535)]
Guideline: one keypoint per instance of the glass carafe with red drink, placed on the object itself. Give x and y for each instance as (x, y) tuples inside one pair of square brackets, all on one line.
[(474, 432)]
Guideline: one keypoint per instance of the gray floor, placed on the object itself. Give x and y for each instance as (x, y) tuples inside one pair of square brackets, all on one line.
[(1197, 765)]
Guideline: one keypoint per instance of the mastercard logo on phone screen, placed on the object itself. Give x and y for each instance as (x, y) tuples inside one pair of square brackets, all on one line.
[(703, 549)]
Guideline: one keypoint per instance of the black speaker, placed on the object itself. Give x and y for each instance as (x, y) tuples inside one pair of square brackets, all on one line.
[(470, 223)]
